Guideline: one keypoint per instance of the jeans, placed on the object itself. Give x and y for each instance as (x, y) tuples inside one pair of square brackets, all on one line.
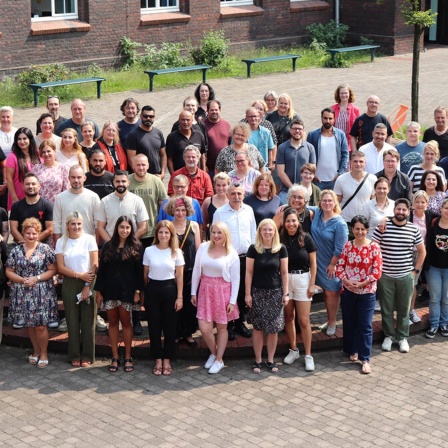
[(325, 185), (438, 296), (357, 316)]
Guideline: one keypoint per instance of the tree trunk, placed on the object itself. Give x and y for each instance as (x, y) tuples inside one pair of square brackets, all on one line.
[(418, 30)]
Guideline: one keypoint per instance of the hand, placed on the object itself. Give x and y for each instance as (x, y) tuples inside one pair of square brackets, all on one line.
[(382, 225), (85, 293), (230, 308), (178, 304), (194, 300), (285, 300), (136, 297), (331, 271), (99, 299), (310, 291), (248, 301)]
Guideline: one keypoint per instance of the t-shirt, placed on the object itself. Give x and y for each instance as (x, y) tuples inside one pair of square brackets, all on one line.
[(41, 210), (77, 127), (125, 129), (363, 128), (437, 246), (218, 136), (77, 252), (409, 155), (298, 257), (442, 140), (266, 273), (263, 209), (101, 185), (162, 265), (416, 173), (176, 142)]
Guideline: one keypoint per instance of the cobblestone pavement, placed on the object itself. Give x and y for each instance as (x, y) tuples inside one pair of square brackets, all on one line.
[(401, 404)]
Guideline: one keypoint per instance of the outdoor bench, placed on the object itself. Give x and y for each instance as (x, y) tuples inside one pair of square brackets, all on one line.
[(152, 73), (372, 48), (249, 62)]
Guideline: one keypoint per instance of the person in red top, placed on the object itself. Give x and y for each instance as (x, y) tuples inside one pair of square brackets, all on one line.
[(359, 268), (200, 186)]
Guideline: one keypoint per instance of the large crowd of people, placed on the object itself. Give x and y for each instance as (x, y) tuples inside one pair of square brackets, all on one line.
[(233, 227)]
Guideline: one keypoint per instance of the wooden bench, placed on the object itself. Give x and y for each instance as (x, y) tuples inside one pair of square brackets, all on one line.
[(67, 82), (249, 62), (152, 73), (372, 48)]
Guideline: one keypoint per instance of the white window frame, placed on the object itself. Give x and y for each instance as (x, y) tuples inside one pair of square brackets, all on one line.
[(157, 9), (225, 3), (54, 16)]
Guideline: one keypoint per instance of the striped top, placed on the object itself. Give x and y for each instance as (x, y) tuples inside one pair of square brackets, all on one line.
[(415, 175), (397, 243)]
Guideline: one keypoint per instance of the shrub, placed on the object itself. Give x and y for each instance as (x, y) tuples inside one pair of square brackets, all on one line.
[(128, 50), (213, 49), (167, 56), (330, 34)]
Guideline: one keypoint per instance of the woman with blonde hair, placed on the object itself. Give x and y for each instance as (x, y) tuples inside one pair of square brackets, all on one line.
[(282, 118), (71, 152)]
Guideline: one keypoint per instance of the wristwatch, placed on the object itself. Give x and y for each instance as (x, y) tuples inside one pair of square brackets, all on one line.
[(38, 278), (417, 271), (138, 291)]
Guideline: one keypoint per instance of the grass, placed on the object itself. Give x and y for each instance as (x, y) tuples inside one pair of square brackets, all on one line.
[(15, 95)]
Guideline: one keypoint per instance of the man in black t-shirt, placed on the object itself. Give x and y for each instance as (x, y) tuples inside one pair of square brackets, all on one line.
[(439, 132), (98, 179)]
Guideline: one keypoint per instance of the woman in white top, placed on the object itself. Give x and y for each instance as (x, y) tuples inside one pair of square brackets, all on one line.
[(163, 268), (70, 152), (217, 268), (46, 124), (77, 260)]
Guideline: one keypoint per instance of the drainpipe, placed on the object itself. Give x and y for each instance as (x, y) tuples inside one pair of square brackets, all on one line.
[(336, 11)]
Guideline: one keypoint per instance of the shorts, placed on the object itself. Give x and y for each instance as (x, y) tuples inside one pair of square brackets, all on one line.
[(298, 287)]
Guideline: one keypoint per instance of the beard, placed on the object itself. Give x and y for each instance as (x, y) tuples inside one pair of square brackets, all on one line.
[(327, 125), (31, 195), (97, 169), (400, 218), (120, 189)]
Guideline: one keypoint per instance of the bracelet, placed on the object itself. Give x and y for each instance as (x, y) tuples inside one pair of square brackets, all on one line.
[(180, 298), (86, 284)]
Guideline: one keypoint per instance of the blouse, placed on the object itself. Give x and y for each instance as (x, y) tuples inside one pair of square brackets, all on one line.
[(53, 180), (77, 252), (162, 265), (435, 203), (247, 182)]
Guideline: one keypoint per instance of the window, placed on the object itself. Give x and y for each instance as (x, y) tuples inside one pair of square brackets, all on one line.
[(54, 9), (236, 2), (149, 6)]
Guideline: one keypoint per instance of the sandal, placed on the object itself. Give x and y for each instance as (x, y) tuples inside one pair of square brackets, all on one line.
[(256, 368), (42, 363), (76, 363), (85, 363), (113, 368), (365, 369), (167, 371), (354, 357), (272, 366), (157, 370), (33, 360), (128, 368)]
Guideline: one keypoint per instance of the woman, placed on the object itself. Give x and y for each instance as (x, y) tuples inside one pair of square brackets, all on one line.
[(307, 173), (33, 300), (271, 99), (243, 174), (109, 143), (296, 198), (163, 270), (380, 206), (52, 175), (266, 291), (189, 238), (430, 157), (203, 94), (359, 269), (71, 152), (20, 161), (77, 260), (46, 124), (433, 185), (88, 133), (217, 269), (226, 158), (345, 112), (262, 109), (330, 233), (7, 131), (437, 273), (302, 269), (263, 200), (119, 286), (220, 183)]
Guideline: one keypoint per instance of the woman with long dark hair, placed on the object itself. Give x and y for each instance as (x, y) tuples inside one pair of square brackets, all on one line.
[(204, 93)]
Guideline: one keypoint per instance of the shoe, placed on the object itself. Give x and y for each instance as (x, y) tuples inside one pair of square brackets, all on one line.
[(100, 324), (191, 344), (18, 325), (410, 322), (256, 368), (309, 363), (167, 370), (331, 330), (138, 329), (216, 367), (387, 344), (130, 365), (53, 325), (42, 363), (444, 331), (114, 363), (211, 359), (231, 333), (414, 317), (272, 366), (63, 326), (33, 360), (291, 356), (365, 368), (432, 331), (242, 330), (377, 306), (403, 346)]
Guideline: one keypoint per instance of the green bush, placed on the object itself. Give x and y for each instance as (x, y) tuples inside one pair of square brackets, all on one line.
[(167, 56), (213, 49), (330, 34), (128, 50)]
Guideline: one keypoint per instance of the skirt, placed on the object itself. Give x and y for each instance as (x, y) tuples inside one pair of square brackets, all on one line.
[(213, 298), (266, 314)]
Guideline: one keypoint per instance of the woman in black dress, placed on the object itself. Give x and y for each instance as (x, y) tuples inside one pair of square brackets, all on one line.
[(119, 286)]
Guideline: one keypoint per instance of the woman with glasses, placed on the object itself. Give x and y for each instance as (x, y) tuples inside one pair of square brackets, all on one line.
[(243, 173)]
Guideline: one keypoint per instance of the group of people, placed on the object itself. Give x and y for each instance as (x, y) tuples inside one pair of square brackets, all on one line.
[(254, 219)]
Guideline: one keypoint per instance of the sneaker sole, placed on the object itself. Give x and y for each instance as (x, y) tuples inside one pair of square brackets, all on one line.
[(430, 336)]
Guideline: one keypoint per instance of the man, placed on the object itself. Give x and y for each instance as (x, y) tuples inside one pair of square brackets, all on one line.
[(32, 206), (98, 179), (200, 186), (218, 134), (130, 109), (331, 147), (375, 149), (182, 137), (396, 284), (53, 106), (78, 109), (148, 140), (121, 202), (355, 188), (400, 185), (240, 220), (291, 156), (439, 132), (361, 131), (190, 104), (411, 150)]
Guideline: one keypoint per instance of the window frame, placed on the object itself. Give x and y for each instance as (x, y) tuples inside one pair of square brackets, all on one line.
[(54, 16), (159, 9), (225, 3)]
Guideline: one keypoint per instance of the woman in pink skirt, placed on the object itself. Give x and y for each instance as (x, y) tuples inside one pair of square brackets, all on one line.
[(217, 268)]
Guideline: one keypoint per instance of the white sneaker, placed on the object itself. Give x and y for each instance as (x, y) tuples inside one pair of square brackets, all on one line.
[(377, 306), (53, 325), (403, 346), (331, 330), (20, 324), (100, 324), (211, 359), (216, 367), (309, 363), (387, 344), (291, 356), (63, 325), (414, 317)]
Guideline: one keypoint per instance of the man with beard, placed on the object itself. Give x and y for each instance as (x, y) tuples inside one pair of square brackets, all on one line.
[(331, 148), (31, 206), (396, 284), (53, 106), (130, 109), (121, 203), (98, 179), (375, 149)]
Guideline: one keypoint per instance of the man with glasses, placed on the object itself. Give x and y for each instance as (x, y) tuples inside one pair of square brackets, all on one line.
[(291, 156), (53, 106), (147, 139)]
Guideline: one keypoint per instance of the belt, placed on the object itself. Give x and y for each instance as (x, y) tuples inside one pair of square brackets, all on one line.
[(242, 256), (299, 271)]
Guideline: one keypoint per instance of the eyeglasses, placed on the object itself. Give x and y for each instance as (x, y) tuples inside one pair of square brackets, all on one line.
[(240, 161), (148, 116), (52, 96), (252, 116), (296, 129), (176, 187)]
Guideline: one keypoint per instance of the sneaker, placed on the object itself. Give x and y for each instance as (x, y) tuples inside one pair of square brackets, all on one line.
[(18, 325), (100, 324), (387, 344), (309, 363), (53, 325), (63, 326), (216, 367), (403, 346), (211, 359), (414, 317), (431, 332), (444, 331), (291, 356), (377, 306), (331, 330)]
